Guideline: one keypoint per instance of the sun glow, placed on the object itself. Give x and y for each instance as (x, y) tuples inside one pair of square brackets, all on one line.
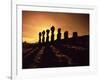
[(35, 22)]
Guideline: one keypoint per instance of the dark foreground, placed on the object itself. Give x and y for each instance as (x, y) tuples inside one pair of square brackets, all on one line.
[(57, 54)]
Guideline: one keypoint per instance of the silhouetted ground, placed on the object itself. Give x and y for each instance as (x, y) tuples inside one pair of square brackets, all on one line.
[(64, 53)]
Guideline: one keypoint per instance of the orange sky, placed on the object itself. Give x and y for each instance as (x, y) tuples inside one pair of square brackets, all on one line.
[(35, 22)]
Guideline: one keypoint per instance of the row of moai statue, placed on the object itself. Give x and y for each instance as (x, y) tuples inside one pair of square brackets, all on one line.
[(42, 35)]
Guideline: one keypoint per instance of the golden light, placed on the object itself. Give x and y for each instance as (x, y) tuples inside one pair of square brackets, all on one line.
[(35, 22)]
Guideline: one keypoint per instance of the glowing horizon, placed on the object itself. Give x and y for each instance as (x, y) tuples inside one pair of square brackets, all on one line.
[(35, 22)]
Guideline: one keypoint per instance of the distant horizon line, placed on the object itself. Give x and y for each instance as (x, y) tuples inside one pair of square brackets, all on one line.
[(50, 40)]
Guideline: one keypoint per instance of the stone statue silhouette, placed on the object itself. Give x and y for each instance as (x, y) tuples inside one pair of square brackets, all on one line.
[(47, 35), (43, 36), (40, 37), (52, 34), (65, 35), (75, 35), (59, 34)]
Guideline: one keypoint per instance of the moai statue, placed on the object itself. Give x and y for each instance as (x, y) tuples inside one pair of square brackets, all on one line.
[(43, 36), (47, 36), (59, 34), (75, 35), (66, 35), (40, 37), (52, 33)]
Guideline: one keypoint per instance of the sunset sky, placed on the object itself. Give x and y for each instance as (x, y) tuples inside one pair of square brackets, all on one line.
[(35, 22)]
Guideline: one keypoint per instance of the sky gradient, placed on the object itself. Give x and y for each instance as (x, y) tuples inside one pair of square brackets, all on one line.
[(34, 22)]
